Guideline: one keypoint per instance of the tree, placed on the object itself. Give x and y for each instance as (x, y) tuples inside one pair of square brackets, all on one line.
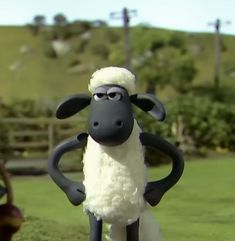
[(167, 66), (166, 62), (61, 29), (39, 21), (60, 20)]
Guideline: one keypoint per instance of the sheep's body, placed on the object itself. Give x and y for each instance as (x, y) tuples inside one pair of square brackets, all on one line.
[(115, 176), (115, 179)]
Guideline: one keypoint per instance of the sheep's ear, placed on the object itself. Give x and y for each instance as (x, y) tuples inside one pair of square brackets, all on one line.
[(72, 105), (149, 103)]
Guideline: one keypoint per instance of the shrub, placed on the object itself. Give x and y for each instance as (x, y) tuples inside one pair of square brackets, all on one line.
[(5, 151), (101, 50), (50, 52), (204, 120), (205, 125), (81, 46)]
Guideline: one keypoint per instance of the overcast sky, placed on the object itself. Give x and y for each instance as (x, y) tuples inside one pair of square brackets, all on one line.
[(188, 15)]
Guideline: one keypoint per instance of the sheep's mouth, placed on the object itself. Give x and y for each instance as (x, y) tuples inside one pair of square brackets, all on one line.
[(80, 191)]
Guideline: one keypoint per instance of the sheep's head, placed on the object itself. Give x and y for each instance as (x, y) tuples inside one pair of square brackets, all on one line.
[(111, 117)]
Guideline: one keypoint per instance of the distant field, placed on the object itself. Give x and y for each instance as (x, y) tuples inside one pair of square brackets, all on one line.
[(200, 208), (26, 72)]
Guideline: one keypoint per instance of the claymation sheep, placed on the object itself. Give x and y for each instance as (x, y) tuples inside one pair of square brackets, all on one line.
[(115, 189)]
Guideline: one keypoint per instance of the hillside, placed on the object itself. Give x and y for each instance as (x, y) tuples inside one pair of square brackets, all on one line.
[(26, 71)]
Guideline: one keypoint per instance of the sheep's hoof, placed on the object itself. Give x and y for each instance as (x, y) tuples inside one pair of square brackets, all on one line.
[(76, 194), (153, 196)]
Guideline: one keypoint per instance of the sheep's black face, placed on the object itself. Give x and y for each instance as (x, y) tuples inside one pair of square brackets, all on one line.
[(111, 117)]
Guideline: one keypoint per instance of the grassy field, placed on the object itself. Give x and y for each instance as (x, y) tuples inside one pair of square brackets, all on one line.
[(23, 61), (200, 208)]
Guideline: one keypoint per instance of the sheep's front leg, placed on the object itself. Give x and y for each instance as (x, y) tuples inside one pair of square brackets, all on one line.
[(95, 228), (132, 231)]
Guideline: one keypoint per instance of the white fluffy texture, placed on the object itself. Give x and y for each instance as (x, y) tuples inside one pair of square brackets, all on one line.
[(113, 75), (148, 229), (115, 179)]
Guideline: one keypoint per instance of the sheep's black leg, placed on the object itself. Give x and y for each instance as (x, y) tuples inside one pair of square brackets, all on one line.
[(95, 228), (132, 231)]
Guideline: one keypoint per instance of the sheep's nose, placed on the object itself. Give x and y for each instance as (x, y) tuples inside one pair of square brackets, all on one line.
[(96, 124), (119, 123), (115, 124)]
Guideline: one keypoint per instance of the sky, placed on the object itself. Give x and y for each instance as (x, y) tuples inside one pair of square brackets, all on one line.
[(186, 15)]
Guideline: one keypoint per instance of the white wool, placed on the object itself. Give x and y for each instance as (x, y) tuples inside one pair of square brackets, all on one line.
[(148, 229), (113, 75), (115, 179)]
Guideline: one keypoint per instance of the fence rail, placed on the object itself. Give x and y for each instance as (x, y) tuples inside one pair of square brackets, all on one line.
[(35, 136)]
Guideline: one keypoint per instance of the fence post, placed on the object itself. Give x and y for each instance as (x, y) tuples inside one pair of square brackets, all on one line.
[(50, 136)]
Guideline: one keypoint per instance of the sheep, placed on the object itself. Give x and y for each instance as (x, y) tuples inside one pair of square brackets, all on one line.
[(115, 189)]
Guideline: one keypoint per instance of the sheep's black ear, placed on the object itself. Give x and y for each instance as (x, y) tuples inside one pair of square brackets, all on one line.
[(149, 103), (72, 105)]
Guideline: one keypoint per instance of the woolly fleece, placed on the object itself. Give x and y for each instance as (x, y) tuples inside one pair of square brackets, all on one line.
[(115, 179), (115, 76)]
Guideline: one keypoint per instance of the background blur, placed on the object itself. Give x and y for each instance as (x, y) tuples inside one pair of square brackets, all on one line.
[(182, 51)]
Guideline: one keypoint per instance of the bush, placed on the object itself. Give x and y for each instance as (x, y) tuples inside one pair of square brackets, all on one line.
[(204, 125), (81, 46), (50, 52), (205, 121), (5, 151), (101, 50), (112, 36)]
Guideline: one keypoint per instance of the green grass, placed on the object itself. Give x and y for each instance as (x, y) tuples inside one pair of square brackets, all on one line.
[(199, 208), (38, 76)]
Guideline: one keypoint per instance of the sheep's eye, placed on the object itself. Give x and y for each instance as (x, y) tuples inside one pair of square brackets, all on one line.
[(114, 96), (100, 96)]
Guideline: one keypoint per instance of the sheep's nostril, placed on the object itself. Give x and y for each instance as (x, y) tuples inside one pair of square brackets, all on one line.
[(95, 124), (119, 123)]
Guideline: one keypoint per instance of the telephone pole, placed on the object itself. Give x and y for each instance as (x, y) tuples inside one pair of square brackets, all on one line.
[(125, 15), (217, 25)]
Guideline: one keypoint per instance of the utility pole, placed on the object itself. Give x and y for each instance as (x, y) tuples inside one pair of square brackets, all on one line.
[(217, 25), (125, 15)]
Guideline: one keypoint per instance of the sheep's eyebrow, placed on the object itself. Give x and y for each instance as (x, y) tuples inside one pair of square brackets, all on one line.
[(101, 90), (116, 90)]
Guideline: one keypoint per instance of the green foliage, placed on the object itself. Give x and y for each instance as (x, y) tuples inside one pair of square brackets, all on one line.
[(113, 36), (209, 126), (183, 74), (101, 50), (60, 19), (5, 151), (29, 108), (205, 121), (164, 61), (177, 40), (168, 66), (43, 76), (50, 52), (39, 21), (81, 46)]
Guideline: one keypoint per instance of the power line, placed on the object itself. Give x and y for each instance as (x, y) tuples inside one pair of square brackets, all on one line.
[(125, 15)]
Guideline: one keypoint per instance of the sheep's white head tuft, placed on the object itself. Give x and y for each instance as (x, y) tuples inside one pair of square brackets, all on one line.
[(113, 76)]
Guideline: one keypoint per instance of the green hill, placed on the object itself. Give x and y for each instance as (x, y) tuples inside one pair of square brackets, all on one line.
[(26, 71)]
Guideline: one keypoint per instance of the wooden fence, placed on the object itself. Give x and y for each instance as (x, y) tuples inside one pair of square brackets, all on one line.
[(34, 137)]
